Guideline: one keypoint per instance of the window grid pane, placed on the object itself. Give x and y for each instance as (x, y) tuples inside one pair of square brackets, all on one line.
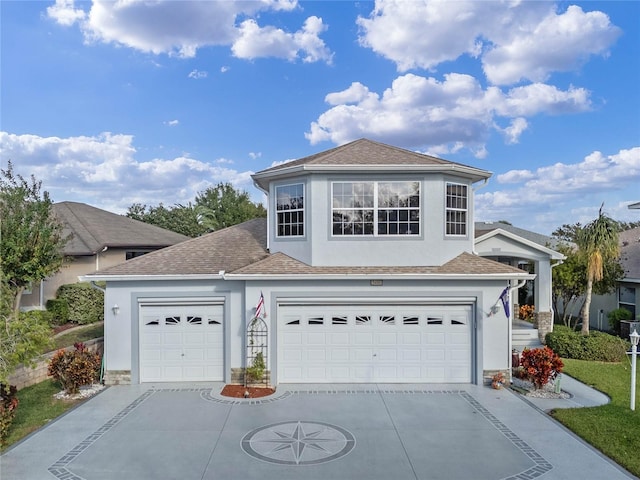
[(456, 209), (375, 208), (290, 210)]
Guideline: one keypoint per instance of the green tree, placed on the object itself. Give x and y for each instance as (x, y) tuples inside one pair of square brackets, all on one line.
[(215, 208), (223, 206), (31, 237), (598, 242), (31, 243), (569, 285), (179, 218)]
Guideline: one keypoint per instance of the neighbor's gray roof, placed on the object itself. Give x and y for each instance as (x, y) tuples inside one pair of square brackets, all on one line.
[(634, 206), (482, 228), (630, 252), (241, 250), (94, 229), (371, 155)]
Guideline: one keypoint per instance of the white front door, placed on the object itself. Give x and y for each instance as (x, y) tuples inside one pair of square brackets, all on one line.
[(181, 343), (374, 343)]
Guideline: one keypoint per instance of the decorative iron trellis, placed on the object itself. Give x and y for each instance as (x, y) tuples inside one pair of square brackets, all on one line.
[(257, 353)]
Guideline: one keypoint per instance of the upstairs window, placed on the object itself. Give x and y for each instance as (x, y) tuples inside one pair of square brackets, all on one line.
[(375, 208), (456, 210), (290, 210)]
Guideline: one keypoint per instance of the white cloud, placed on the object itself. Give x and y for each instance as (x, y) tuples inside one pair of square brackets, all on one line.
[(256, 42), (197, 74), (421, 111), (65, 13), (181, 28), (224, 69), (564, 192), (514, 40), (103, 170), (255, 155), (172, 123)]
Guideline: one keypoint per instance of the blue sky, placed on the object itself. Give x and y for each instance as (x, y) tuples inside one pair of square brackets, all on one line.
[(115, 103)]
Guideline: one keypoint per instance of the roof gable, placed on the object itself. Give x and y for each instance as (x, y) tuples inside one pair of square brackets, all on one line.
[(630, 252), (525, 243), (93, 229)]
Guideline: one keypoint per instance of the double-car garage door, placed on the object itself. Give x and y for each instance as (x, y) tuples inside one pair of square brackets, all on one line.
[(374, 343)]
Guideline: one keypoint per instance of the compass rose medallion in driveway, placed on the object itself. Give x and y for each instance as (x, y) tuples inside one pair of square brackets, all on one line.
[(298, 443)]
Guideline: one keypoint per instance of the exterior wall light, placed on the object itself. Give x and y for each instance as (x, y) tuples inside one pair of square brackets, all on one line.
[(115, 309)]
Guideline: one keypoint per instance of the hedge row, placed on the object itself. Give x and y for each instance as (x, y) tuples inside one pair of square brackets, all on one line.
[(77, 303), (598, 346)]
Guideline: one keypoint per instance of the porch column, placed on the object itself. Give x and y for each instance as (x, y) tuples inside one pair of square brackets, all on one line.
[(542, 298)]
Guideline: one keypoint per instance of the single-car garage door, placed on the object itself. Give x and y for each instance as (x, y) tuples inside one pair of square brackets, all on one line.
[(374, 343), (181, 343)]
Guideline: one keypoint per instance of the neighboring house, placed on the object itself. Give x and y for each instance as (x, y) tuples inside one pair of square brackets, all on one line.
[(634, 206), (99, 239), (366, 266), (627, 294)]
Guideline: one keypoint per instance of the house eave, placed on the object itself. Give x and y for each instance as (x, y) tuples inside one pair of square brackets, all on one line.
[(474, 174), (138, 278), (386, 276)]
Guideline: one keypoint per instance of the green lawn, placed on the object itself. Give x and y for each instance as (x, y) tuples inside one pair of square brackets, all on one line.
[(613, 429), (37, 407), (83, 334)]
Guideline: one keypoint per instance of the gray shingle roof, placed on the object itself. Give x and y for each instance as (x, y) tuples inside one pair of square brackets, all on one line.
[(485, 227), (463, 264), (93, 229), (242, 250), (227, 249), (373, 155)]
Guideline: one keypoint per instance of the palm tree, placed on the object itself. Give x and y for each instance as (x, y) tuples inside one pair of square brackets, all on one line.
[(598, 241)]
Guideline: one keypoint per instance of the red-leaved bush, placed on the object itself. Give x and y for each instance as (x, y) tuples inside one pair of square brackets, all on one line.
[(75, 368), (541, 365), (8, 407)]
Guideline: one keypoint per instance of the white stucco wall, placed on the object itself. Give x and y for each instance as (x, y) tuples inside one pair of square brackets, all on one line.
[(491, 350), (319, 247)]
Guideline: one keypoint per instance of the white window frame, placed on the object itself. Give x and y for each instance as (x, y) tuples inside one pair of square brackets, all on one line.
[(297, 211), (457, 210), (376, 209), (632, 307)]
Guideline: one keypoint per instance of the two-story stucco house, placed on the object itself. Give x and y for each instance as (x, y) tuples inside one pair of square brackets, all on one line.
[(367, 269)]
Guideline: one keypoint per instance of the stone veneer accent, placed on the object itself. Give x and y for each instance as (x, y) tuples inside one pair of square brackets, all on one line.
[(544, 324), (26, 376), (237, 377), (117, 377)]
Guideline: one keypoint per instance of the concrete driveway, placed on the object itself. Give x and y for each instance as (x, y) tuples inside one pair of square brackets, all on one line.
[(187, 432)]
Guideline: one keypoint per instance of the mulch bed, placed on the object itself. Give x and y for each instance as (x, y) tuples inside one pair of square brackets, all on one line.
[(61, 328), (237, 391)]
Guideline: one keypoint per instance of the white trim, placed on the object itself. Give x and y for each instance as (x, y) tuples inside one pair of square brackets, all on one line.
[(324, 301), (137, 278), (163, 302), (368, 276), (536, 246)]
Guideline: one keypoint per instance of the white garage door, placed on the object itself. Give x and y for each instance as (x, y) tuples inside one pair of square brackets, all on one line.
[(181, 343), (369, 343)]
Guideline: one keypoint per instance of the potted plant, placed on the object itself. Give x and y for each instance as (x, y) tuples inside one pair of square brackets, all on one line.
[(497, 381)]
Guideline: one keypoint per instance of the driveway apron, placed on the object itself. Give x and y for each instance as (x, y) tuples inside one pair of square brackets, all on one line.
[(171, 431)]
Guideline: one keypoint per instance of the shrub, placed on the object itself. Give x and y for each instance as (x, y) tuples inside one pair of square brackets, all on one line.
[(86, 304), (59, 310), (8, 408), (256, 371), (616, 316), (597, 346), (75, 368), (541, 365)]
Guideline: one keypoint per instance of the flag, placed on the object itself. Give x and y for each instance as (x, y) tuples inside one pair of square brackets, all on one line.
[(260, 306), (504, 296)]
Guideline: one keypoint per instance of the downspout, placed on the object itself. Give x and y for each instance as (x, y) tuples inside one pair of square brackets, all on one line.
[(41, 299), (520, 284), (98, 257)]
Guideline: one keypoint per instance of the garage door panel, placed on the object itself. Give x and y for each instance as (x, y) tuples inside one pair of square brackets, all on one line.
[(369, 343), (181, 343)]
